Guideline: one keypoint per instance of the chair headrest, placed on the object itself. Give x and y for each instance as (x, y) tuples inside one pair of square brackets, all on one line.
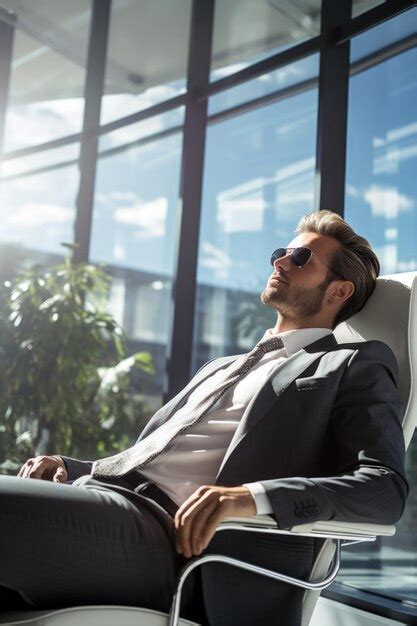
[(390, 315)]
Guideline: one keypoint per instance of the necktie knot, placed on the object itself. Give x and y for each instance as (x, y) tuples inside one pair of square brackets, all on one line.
[(272, 343)]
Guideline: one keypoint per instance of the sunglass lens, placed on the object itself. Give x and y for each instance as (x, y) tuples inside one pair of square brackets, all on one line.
[(277, 254), (300, 256)]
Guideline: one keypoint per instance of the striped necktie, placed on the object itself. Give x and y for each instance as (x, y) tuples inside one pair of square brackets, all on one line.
[(145, 450)]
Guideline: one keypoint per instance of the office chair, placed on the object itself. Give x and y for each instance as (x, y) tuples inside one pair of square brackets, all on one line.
[(394, 298)]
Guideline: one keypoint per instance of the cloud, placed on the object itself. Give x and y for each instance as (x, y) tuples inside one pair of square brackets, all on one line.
[(297, 197), (387, 202), (391, 234), (389, 162), (119, 252), (406, 266), (148, 217), (289, 172), (241, 215), (352, 192), (38, 122), (33, 215), (221, 72), (214, 258), (387, 255), (115, 106), (398, 145)]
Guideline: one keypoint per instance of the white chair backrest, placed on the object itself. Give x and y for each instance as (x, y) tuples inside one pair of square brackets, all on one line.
[(390, 315)]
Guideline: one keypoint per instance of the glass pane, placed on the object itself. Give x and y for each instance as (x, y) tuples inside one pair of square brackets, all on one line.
[(282, 78), (48, 70), (381, 186), (381, 203), (361, 6), (247, 31), (37, 213), (41, 159), (259, 179), (135, 235), (387, 33), (131, 133), (147, 55)]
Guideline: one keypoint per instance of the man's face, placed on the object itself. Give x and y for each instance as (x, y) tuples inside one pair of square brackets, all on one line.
[(297, 292)]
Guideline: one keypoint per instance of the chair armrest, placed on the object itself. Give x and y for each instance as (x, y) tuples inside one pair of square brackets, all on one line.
[(337, 530)]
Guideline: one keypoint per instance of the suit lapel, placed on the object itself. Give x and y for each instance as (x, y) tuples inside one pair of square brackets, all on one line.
[(165, 412), (278, 380)]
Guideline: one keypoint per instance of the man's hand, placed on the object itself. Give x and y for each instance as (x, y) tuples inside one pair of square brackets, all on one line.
[(46, 468), (198, 517)]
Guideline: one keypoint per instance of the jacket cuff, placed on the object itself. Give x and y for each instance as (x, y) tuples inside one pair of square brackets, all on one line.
[(75, 467), (262, 503), (297, 501)]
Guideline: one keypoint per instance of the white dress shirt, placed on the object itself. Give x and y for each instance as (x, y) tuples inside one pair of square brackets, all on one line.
[(194, 457)]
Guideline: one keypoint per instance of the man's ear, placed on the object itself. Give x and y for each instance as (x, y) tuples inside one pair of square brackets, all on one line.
[(341, 291)]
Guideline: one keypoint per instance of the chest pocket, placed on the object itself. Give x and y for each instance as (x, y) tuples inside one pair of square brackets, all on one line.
[(311, 382)]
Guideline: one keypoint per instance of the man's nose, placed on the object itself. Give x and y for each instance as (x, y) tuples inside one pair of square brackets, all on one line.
[(283, 261)]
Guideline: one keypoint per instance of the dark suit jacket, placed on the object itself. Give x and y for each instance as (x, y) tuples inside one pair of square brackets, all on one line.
[(323, 435)]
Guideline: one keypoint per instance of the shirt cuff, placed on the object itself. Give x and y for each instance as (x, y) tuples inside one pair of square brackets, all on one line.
[(262, 503)]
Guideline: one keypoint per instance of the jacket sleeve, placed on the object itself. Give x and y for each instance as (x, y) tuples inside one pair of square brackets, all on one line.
[(75, 467), (366, 446)]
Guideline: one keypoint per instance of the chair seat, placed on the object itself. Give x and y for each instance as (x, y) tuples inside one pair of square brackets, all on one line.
[(103, 615)]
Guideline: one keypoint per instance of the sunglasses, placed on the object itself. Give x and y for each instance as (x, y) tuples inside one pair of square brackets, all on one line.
[(299, 257)]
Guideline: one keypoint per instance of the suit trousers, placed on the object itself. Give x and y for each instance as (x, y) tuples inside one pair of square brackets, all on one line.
[(90, 543), (68, 545)]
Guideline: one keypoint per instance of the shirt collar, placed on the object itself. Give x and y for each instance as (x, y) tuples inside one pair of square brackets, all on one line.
[(294, 340)]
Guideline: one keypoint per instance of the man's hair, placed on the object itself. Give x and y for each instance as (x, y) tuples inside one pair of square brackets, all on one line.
[(354, 260)]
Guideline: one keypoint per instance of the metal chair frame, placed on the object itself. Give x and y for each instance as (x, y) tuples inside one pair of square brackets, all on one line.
[(265, 524)]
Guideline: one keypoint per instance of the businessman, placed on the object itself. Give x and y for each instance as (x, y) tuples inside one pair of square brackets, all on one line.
[(301, 428)]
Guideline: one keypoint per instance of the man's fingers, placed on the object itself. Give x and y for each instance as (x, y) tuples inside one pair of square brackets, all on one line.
[(37, 470), (44, 468), (189, 503), (213, 521), (186, 521), (24, 468), (60, 476), (199, 527)]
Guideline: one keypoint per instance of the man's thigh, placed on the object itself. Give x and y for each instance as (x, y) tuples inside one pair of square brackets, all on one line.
[(63, 545)]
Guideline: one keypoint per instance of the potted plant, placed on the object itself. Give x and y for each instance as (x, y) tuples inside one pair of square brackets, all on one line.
[(64, 373)]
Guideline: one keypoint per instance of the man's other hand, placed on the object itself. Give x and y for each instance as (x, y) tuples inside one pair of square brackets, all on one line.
[(198, 517), (45, 468)]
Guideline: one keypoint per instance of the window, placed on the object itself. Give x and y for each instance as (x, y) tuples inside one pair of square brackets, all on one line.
[(283, 78), (381, 203), (274, 26), (38, 212), (259, 179), (147, 55), (135, 235), (48, 70)]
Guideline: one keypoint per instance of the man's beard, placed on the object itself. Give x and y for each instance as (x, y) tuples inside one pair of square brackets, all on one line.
[(298, 302)]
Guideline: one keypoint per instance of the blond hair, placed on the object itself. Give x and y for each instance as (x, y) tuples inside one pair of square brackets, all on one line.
[(354, 260)]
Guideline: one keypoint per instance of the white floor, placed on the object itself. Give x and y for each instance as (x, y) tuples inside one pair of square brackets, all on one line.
[(329, 613)]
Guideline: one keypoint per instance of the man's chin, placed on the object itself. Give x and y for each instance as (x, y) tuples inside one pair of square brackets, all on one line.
[(271, 297)]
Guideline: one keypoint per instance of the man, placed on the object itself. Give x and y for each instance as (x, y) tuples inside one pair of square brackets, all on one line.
[(301, 428)]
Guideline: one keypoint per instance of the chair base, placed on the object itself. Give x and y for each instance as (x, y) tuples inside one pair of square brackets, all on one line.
[(103, 615)]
